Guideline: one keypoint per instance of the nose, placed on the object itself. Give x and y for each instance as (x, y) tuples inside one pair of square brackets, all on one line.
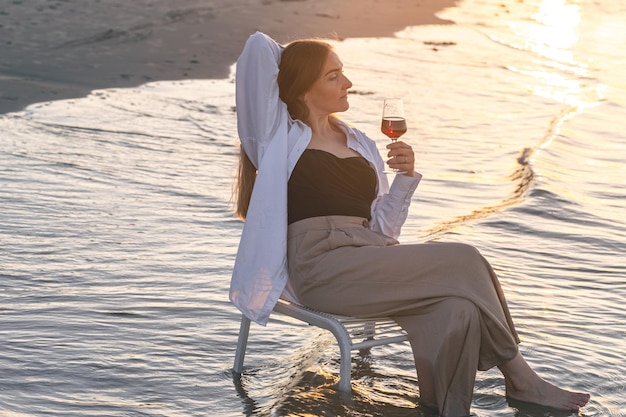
[(347, 83)]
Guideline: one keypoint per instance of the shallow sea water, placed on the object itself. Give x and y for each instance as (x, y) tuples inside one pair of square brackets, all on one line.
[(117, 237)]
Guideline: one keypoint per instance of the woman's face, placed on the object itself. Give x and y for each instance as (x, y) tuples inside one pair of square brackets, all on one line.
[(329, 94)]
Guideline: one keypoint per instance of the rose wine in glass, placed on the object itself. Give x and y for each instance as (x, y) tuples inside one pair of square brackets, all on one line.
[(394, 123)]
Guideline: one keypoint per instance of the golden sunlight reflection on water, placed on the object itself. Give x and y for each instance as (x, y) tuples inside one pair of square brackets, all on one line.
[(552, 35), (560, 21)]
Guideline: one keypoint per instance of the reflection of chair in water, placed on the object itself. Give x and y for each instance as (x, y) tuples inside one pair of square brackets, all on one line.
[(250, 406), (351, 334)]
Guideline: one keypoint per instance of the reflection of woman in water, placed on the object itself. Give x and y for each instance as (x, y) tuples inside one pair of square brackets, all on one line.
[(323, 214)]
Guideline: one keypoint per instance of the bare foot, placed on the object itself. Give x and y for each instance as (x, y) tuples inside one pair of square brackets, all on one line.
[(523, 384), (544, 393)]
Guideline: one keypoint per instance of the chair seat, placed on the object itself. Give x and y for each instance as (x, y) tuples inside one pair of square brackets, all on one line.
[(351, 333)]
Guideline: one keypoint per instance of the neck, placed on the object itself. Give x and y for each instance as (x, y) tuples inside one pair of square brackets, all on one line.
[(321, 125)]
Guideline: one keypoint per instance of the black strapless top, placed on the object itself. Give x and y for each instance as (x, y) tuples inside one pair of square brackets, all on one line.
[(322, 184)]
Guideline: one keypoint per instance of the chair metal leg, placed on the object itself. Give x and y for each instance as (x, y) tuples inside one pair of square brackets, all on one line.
[(242, 342), (371, 332), (345, 366)]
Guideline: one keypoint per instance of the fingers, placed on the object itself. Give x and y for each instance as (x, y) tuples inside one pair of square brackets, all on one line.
[(398, 144), (401, 157), (403, 163), (401, 153)]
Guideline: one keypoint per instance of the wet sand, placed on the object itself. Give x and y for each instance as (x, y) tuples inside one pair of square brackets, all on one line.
[(51, 50)]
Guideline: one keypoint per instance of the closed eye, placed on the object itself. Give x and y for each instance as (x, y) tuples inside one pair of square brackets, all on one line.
[(334, 72)]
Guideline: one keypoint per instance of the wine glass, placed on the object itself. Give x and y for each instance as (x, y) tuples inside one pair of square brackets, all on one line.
[(394, 122)]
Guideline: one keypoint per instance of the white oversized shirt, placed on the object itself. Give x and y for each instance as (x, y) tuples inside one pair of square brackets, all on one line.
[(274, 142)]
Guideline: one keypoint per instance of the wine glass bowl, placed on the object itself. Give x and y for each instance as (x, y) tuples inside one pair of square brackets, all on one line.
[(393, 124)]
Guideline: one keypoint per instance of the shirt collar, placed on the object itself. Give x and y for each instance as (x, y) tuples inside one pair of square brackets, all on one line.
[(354, 140)]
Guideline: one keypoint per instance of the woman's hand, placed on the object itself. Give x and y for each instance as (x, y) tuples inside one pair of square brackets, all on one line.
[(401, 157)]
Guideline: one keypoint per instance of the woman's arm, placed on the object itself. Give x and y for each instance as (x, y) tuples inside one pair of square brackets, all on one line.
[(259, 108), (390, 210), (391, 207)]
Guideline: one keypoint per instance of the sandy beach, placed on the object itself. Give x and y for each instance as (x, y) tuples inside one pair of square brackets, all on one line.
[(65, 49)]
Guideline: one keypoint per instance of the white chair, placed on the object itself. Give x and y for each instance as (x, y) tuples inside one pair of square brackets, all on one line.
[(351, 334)]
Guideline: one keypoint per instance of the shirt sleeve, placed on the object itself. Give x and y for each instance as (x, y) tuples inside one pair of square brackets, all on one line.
[(259, 108), (390, 210), (260, 270)]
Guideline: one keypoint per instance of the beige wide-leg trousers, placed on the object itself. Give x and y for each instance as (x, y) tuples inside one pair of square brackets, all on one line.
[(445, 295)]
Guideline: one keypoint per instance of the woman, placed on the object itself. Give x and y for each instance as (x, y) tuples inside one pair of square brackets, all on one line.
[(322, 223)]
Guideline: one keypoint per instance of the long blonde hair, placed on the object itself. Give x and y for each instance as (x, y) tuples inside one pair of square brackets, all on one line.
[(301, 64)]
